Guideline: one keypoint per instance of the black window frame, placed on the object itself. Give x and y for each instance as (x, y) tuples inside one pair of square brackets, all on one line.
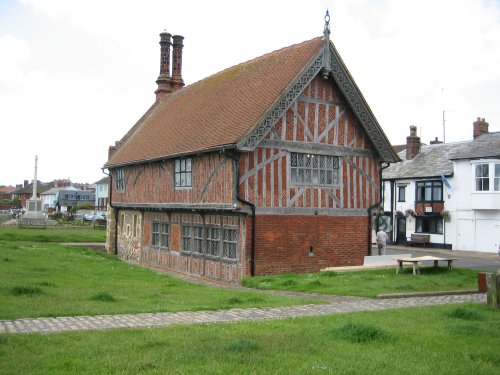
[(402, 193), (429, 224), (434, 186)]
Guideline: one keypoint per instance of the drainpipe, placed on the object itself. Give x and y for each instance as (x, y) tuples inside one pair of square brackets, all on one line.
[(382, 167), (111, 205), (252, 206)]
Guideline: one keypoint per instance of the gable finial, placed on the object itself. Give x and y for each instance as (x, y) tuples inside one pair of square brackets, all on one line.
[(327, 23), (326, 54)]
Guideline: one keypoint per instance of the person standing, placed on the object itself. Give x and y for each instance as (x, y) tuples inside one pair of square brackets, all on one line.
[(381, 241)]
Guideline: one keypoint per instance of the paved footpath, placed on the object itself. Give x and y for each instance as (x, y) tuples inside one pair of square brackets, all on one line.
[(336, 304)]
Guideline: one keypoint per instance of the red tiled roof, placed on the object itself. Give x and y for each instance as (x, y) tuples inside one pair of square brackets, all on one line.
[(217, 111), (7, 189)]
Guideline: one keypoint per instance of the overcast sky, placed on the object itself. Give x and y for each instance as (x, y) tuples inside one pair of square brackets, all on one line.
[(76, 75)]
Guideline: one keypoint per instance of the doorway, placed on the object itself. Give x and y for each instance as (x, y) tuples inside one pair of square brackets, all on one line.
[(401, 230)]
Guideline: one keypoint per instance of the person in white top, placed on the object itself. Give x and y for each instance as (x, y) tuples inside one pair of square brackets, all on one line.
[(381, 241)]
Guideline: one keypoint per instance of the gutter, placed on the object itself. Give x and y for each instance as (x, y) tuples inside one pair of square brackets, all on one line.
[(382, 167), (252, 206), (116, 208)]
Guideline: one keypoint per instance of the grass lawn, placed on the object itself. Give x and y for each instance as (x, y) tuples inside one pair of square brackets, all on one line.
[(450, 339), (370, 283), (40, 279), (77, 234)]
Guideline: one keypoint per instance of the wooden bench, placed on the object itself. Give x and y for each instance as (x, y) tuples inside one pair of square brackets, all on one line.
[(415, 261), (420, 239)]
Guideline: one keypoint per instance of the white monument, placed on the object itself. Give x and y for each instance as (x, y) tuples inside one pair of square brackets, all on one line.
[(34, 204)]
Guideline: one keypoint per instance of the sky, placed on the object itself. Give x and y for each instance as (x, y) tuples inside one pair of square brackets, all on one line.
[(76, 75)]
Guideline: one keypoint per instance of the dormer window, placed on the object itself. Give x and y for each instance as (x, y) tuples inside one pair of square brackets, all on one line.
[(183, 172), (487, 177)]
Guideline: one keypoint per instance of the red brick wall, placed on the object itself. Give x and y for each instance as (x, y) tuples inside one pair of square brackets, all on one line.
[(282, 243)]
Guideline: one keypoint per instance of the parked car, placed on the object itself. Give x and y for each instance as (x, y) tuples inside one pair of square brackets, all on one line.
[(98, 217), (88, 217)]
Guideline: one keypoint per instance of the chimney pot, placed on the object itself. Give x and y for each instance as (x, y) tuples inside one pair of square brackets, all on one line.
[(177, 61), (164, 81), (165, 43), (436, 141)]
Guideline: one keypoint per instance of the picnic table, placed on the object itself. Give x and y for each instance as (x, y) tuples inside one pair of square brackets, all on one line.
[(415, 261)]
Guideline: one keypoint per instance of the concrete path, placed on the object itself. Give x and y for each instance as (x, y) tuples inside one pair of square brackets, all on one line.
[(336, 304), (467, 259)]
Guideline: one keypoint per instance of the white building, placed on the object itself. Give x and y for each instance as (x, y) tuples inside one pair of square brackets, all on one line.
[(101, 193), (49, 199), (450, 191)]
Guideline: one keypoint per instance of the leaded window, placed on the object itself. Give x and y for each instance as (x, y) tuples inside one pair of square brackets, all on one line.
[(186, 237), (183, 172), (120, 179), (429, 191), (230, 243), (311, 169), (164, 236), (155, 235), (160, 235), (213, 241), (198, 238)]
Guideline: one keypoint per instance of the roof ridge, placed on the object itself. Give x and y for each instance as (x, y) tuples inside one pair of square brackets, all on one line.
[(251, 61)]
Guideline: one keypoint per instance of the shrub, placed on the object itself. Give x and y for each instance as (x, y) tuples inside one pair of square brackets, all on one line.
[(361, 333), (242, 345), (25, 291), (464, 313), (103, 296)]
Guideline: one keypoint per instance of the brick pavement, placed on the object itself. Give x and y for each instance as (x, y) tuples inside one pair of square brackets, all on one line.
[(336, 304)]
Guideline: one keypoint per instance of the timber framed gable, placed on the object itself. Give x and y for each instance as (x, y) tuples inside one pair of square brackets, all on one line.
[(349, 89), (321, 126)]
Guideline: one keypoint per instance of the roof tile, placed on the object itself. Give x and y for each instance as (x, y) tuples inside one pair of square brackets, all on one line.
[(217, 111)]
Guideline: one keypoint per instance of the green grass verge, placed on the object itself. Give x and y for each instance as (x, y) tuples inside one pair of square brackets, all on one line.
[(83, 234), (370, 283), (48, 279), (429, 340)]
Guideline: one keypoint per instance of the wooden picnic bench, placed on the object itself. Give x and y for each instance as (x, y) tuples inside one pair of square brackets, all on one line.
[(415, 261), (420, 239)]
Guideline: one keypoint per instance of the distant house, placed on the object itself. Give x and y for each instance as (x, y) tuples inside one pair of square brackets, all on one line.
[(71, 197), (450, 191), (270, 166), (50, 198), (101, 193), (23, 193), (6, 192)]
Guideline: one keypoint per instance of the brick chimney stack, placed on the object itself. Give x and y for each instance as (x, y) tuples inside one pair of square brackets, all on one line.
[(480, 127), (412, 143), (164, 81), (177, 62)]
